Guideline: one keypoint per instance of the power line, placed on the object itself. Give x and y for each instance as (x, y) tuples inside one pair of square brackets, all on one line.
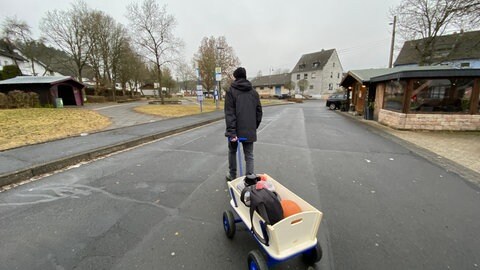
[(360, 46)]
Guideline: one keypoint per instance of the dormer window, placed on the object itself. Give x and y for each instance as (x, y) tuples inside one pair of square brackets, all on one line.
[(301, 66), (316, 64)]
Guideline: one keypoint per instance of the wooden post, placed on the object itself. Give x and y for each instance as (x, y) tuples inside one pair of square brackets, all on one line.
[(407, 96), (474, 100)]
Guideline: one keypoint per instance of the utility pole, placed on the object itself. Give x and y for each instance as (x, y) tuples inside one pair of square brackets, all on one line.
[(390, 62)]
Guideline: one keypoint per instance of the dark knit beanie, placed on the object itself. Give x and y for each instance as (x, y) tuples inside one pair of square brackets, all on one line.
[(240, 73)]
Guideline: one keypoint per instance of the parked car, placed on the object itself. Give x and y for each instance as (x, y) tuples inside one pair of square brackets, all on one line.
[(284, 96), (337, 101)]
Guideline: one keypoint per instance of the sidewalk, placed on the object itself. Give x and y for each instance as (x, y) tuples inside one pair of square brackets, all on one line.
[(123, 114), (455, 151)]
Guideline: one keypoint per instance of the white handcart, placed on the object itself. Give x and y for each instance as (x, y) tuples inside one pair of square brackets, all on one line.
[(291, 236)]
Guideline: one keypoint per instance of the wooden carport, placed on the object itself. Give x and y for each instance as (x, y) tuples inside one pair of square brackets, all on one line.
[(49, 88)]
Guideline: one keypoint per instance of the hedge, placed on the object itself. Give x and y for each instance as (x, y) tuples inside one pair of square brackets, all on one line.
[(19, 99)]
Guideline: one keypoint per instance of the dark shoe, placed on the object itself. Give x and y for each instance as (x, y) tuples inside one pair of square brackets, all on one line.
[(229, 177)]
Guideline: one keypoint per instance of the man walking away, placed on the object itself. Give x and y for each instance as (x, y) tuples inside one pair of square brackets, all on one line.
[(243, 114)]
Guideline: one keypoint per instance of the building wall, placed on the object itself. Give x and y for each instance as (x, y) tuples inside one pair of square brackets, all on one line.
[(379, 94), (270, 91), (331, 76), (5, 61), (429, 121)]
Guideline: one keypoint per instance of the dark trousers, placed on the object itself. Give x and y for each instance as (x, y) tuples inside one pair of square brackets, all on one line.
[(232, 158)]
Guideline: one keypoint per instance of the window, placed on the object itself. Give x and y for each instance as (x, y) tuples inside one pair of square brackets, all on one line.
[(338, 75), (301, 66), (331, 74), (311, 86), (393, 99), (333, 64), (313, 75), (316, 64), (330, 86), (298, 76), (305, 76), (464, 65), (441, 95)]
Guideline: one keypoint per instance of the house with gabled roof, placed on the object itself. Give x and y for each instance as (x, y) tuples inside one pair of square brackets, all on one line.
[(321, 71), (272, 85), (10, 55), (458, 50)]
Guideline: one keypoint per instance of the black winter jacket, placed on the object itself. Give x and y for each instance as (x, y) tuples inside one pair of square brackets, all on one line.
[(243, 111)]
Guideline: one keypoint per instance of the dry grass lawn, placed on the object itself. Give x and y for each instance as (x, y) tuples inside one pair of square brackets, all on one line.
[(28, 126), (177, 110), (184, 110), (20, 127)]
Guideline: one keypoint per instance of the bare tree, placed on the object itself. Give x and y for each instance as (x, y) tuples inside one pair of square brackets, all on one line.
[(97, 25), (18, 34), (130, 69), (303, 84), (118, 46), (427, 19), (152, 29), (205, 59), (185, 73), (215, 52), (69, 32)]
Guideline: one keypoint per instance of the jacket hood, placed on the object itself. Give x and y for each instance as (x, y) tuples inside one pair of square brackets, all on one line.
[(242, 85)]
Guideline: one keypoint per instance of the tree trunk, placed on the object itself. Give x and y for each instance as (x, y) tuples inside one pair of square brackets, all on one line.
[(159, 77)]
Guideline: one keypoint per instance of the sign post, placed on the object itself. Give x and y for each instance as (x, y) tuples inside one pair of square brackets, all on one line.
[(200, 96), (218, 78), (199, 90)]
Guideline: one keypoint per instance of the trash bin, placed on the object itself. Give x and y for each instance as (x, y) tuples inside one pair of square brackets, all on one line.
[(59, 103)]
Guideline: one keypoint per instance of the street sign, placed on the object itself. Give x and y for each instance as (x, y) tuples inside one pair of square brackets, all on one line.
[(218, 74)]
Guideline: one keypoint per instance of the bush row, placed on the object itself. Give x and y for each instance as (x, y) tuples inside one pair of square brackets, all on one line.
[(19, 99)]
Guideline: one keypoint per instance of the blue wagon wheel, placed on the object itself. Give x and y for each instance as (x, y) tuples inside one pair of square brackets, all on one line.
[(256, 261), (313, 255), (229, 224)]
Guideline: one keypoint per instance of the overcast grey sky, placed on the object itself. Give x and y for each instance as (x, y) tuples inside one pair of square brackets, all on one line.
[(265, 34)]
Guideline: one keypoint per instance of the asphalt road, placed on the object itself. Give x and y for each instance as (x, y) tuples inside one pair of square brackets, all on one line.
[(159, 206)]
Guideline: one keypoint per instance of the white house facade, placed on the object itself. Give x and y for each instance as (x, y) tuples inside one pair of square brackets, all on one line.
[(322, 71), (26, 66)]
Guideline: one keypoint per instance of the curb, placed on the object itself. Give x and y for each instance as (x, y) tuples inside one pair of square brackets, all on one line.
[(468, 175), (25, 174)]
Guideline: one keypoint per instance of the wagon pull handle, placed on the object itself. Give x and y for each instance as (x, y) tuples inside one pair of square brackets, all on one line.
[(239, 154)]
